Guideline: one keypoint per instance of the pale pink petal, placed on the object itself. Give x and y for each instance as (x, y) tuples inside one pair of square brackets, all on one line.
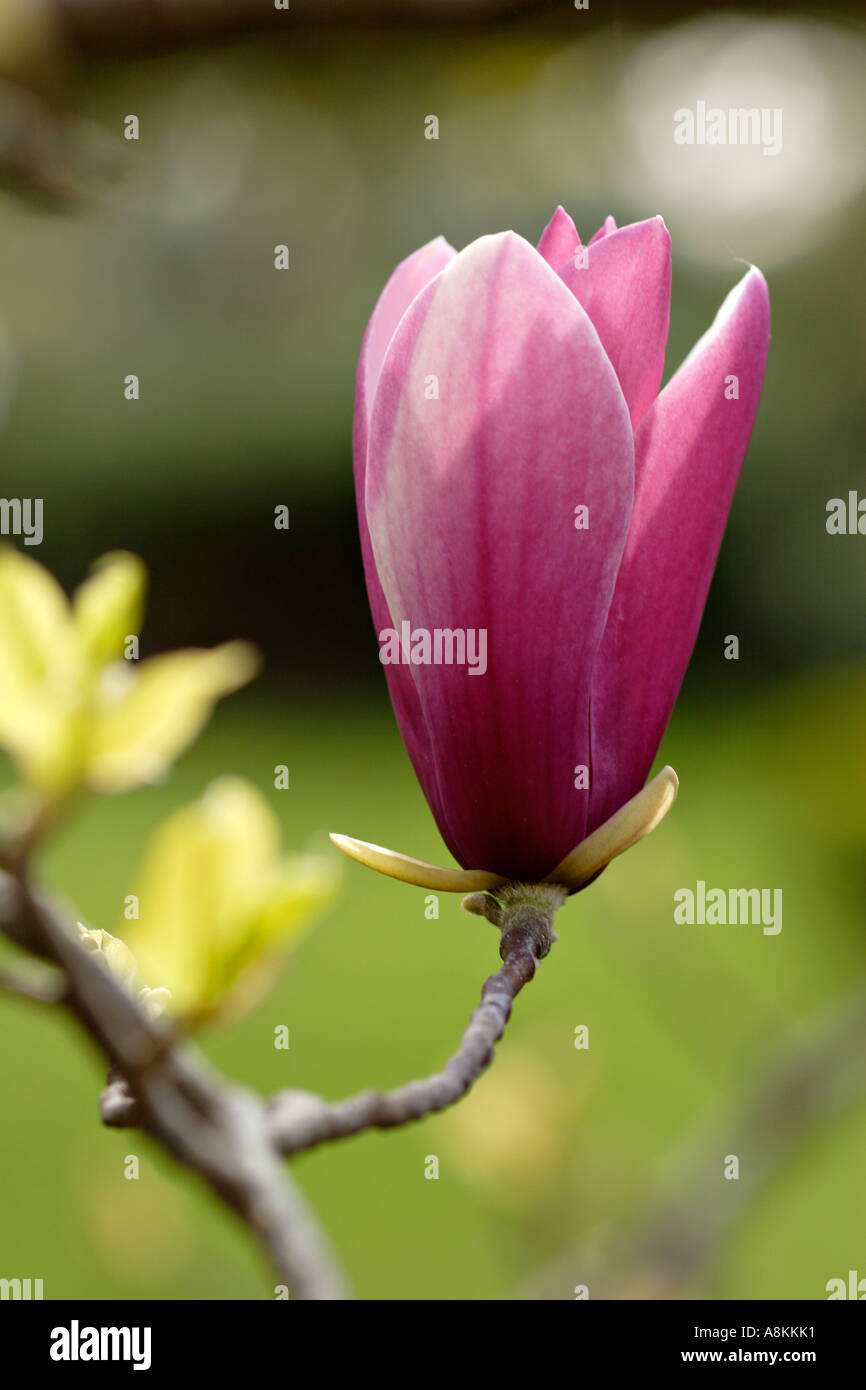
[(605, 229), (625, 287), (559, 240), (688, 455), (407, 281), (497, 414)]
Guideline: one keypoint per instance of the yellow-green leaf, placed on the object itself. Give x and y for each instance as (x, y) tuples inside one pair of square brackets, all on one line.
[(108, 607), (217, 906), (146, 716), (41, 674)]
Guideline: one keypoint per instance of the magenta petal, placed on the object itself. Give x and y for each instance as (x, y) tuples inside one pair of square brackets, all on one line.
[(625, 287), (688, 455), (496, 416), (407, 281), (559, 240), (605, 229)]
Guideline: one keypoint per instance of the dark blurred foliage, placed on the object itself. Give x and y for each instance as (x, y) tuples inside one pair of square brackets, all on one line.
[(156, 257)]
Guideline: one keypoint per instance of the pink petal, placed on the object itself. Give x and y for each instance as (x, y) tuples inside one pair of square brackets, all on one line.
[(470, 500), (626, 290), (559, 240), (605, 229), (688, 455), (407, 281)]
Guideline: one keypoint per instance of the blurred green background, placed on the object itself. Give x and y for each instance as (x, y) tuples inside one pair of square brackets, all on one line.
[(156, 257)]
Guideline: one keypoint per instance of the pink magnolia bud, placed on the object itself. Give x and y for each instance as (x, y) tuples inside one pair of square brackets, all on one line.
[(520, 476)]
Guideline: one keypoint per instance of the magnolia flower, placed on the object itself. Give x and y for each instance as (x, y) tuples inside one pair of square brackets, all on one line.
[(520, 475), (72, 711), (218, 906)]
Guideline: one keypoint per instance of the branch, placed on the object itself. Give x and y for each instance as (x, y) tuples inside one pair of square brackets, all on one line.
[(299, 1119), (228, 1135), (217, 1131), (39, 991)]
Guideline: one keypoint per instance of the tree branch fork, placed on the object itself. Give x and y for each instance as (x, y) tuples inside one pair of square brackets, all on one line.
[(233, 1139)]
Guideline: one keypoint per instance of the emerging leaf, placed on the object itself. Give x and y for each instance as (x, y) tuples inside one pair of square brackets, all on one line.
[(109, 606), (145, 717), (217, 904), (72, 712)]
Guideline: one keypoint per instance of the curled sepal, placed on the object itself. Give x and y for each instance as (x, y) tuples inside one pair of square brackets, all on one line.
[(629, 824), (415, 871)]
